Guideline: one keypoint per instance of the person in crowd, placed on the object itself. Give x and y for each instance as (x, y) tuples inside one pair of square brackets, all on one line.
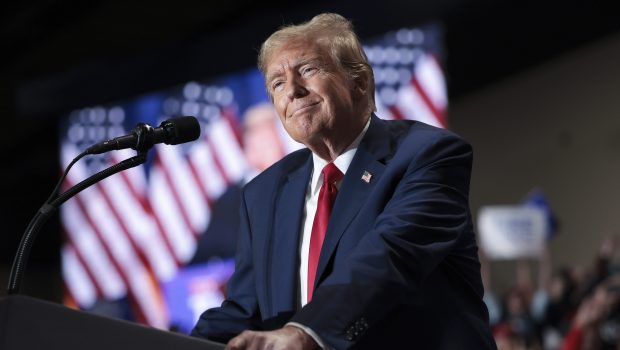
[(573, 308), (596, 324)]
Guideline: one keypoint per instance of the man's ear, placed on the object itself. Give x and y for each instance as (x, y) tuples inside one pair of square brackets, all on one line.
[(360, 85)]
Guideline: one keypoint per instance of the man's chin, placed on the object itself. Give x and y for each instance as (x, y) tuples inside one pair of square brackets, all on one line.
[(302, 130)]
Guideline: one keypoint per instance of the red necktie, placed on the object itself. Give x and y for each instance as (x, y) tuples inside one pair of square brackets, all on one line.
[(327, 196)]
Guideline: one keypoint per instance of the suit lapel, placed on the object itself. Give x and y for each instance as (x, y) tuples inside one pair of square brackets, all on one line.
[(285, 240), (369, 157)]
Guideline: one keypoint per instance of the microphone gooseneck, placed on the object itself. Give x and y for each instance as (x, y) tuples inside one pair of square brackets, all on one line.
[(172, 132)]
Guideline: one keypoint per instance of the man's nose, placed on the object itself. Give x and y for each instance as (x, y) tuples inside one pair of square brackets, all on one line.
[(296, 88)]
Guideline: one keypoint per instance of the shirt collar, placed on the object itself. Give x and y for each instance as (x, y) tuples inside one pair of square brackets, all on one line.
[(342, 162)]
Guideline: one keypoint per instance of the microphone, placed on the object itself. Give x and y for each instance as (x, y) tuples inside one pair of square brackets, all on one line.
[(171, 132)]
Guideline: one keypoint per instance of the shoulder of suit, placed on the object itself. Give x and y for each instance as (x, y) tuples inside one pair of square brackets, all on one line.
[(400, 129)]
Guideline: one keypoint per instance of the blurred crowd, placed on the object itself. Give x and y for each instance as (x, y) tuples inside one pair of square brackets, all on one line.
[(570, 308)]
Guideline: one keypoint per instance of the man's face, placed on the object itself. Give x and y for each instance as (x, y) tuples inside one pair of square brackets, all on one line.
[(312, 96)]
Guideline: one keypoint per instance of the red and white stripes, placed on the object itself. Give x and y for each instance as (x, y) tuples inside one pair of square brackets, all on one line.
[(130, 232), (425, 98)]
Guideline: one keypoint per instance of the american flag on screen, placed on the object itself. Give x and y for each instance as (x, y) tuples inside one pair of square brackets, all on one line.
[(133, 232), (409, 79)]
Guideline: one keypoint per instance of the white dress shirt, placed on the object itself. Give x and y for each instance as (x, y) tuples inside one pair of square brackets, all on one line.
[(342, 162)]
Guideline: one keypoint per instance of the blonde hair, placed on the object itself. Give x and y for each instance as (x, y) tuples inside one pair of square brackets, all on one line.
[(334, 33)]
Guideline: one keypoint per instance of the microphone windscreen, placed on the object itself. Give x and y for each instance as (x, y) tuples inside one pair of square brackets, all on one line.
[(181, 130)]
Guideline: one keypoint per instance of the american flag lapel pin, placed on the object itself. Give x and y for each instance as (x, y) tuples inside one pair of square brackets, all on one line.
[(366, 177)]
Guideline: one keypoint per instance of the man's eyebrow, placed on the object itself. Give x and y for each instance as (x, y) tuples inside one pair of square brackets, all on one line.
[(304, 61), (301, 62), (276, 74)]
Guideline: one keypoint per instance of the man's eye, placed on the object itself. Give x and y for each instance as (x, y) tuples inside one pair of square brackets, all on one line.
[(308, 71), (277, 85)]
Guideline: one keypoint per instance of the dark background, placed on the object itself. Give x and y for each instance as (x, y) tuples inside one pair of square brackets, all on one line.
[(61, 55)]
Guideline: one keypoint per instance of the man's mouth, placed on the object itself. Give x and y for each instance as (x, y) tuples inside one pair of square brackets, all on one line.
[(304, 107)]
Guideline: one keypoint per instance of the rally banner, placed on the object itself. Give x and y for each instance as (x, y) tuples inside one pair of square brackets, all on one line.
[(512, 232)]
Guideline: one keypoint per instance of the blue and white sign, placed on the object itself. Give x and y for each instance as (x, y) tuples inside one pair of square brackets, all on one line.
[(511, 232)]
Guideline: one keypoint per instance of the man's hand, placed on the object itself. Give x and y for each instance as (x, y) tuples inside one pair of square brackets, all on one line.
[(288, 337)]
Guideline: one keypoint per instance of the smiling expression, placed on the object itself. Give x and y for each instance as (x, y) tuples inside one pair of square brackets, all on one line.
[(314, 99)]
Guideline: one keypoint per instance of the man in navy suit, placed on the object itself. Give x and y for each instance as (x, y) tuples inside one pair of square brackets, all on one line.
[(387, 201)]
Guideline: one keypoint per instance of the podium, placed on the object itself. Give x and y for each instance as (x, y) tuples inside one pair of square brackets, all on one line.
[(29, 323)]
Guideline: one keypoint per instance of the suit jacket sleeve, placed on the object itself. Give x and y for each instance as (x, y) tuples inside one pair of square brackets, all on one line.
[(422, 224), (240, 310)]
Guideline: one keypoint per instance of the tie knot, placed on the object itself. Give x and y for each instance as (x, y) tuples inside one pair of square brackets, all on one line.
[(331, 174)]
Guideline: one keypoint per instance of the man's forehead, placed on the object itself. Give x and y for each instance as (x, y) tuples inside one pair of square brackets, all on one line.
[(293, 54)]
